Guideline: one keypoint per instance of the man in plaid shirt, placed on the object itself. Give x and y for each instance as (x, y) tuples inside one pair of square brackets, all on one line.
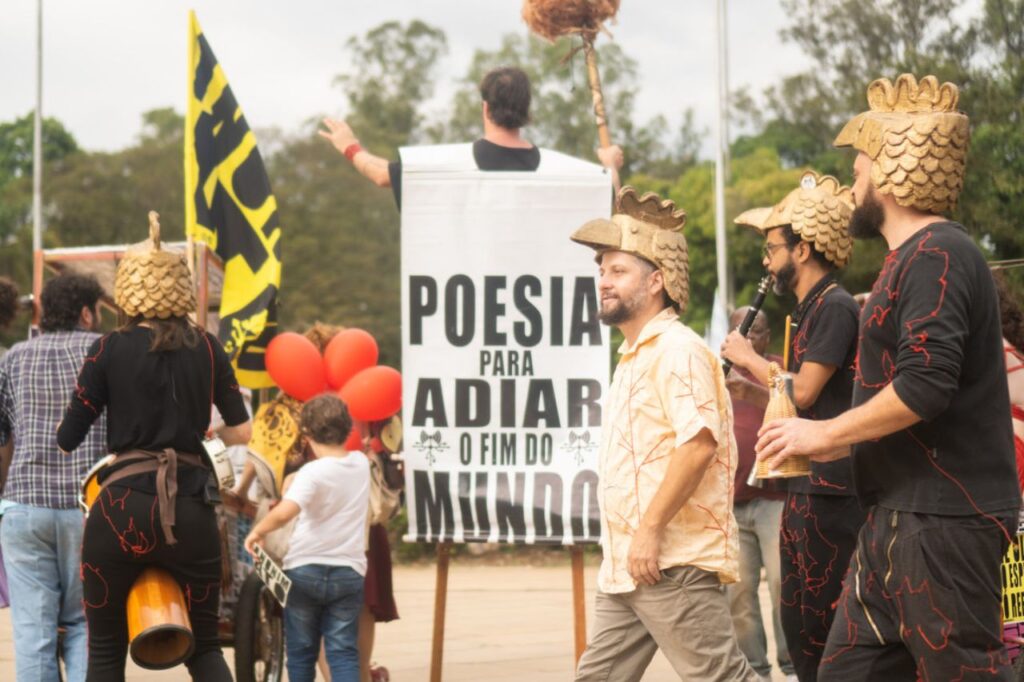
[(41, 532)]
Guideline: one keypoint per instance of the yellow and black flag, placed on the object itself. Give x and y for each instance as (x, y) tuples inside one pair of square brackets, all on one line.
[(229, 206)]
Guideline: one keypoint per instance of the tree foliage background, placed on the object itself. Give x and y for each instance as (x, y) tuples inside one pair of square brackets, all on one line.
[(341, 237)]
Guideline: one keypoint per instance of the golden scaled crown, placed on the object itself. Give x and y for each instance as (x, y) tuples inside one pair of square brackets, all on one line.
[(646, 226), (819, 213), (916, 139), (154, 283)]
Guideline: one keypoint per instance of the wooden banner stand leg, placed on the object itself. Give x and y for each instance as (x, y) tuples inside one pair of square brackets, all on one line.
[(578, 602), (440, 602)]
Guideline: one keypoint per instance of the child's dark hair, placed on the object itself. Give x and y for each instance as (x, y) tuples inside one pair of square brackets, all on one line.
[(325, 420)]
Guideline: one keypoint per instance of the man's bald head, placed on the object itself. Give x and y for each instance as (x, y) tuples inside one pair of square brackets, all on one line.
[(759, 334)]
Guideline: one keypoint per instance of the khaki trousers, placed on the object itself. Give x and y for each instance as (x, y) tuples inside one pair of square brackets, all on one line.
[(686, 615)]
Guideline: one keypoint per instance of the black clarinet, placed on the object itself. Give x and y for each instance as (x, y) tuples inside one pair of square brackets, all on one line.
[(755, 308)]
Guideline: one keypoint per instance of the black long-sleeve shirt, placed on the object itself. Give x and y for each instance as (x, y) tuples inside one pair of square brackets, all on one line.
[(154, 400), (931, 329)]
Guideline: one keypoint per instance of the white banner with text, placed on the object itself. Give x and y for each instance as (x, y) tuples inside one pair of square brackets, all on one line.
[(504, 361)]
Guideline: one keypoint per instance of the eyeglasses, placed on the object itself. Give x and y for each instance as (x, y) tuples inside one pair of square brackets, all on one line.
[(769, 249)]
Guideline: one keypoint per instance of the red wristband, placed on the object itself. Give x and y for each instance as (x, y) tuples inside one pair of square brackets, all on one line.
[(352, 150)]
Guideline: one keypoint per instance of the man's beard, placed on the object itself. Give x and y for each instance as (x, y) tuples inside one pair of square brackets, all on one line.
[(624, 309), (782, 282), (867, 219)]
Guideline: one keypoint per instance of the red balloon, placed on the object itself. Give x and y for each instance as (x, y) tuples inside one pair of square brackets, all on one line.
[(373, 394), (355, 440), (348, 353), (294, 364)]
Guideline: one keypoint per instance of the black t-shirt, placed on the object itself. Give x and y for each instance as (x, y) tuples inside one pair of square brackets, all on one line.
[(826, 333), (154, 400), (488, 157), (931, 328)]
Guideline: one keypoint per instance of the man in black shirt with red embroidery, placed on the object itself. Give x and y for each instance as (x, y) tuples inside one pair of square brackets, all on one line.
[(932, 448), (505, 95), (806, 240)]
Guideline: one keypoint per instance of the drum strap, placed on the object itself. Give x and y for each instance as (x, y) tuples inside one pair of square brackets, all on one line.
[(165, 464)]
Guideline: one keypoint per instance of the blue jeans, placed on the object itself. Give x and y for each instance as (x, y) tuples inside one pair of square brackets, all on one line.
[(324, 602), (41, 549), (758, 521)]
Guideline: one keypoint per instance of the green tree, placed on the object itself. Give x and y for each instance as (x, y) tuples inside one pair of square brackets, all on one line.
[(393, 70), (16, 150), (16, 144), (103, 198)]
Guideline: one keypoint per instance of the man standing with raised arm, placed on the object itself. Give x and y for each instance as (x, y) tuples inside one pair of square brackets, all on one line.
[(505, 108)]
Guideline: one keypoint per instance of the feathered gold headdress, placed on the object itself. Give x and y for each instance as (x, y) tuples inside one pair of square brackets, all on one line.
[(916, 139), (818, 211), (649, 227)]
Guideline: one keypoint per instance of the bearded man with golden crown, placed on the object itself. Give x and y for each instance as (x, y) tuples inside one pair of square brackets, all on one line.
[(667, 463)]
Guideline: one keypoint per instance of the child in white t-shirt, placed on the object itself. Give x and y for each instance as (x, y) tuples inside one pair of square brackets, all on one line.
[(326, 558)]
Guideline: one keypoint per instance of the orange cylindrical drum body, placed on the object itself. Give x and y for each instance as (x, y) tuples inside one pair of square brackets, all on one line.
[(159, 631)]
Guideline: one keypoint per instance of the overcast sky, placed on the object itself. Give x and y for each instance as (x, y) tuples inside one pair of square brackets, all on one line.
[(107, 61)]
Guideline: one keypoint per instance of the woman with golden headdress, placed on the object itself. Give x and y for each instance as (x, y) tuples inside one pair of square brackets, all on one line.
[(157, 377)]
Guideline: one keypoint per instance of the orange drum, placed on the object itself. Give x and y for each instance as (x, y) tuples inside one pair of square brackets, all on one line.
[(91, 485), (159, 631)]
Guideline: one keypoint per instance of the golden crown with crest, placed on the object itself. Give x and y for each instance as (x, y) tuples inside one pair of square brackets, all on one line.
[(917, 141), (649, 227), (819, 213)]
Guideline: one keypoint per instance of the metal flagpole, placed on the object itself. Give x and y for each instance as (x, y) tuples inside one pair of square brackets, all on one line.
[(37, 142), (725, 291)]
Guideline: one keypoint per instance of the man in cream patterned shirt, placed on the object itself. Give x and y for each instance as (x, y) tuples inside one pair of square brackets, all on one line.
[(668, 458)]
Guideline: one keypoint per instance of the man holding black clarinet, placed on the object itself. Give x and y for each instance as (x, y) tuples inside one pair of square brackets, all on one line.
[(806, 241)]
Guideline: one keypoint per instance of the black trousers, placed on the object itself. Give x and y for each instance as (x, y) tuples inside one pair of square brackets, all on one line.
[(123, 537), (819, 533), (921, 601)]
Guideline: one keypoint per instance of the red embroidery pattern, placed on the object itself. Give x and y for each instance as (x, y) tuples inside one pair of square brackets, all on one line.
[(815, 560), (93, 582), (79, 390), (133, 540)]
